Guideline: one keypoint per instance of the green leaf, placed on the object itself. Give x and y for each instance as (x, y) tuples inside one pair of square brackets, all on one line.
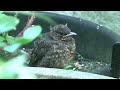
[(2, 61), (12, 67), (1, 39), (1, 11), (32, 33), (5, 74), (10, 39), (17, 61), (22, 40), (40, 36), (12, 48), (2, 44), (7, 23), (68, 67), (29, 35), (37, 14)]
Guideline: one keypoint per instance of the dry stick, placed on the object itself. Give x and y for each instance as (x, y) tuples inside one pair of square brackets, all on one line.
[(30, 21)]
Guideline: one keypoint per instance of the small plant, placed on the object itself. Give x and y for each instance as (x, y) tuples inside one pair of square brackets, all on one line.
[(11, 58)]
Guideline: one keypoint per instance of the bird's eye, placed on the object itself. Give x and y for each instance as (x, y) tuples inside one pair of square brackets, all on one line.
[(62, 34)]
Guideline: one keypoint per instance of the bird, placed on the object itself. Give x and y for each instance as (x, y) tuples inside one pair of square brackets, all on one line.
[(55, 49)]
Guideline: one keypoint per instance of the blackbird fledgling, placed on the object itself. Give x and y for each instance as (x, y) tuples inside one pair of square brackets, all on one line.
[(55, 49)]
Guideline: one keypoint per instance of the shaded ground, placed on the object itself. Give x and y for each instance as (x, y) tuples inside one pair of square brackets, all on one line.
[(83, 64)]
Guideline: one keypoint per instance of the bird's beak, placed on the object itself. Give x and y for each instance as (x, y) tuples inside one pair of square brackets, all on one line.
[(71, 33)]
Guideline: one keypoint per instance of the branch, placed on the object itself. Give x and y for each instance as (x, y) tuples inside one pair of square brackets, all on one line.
[(29, 23)]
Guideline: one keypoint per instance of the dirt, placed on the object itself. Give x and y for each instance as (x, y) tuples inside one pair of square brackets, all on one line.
[(84, 64), (87, 65)]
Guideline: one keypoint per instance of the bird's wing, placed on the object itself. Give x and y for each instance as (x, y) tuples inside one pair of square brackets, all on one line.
[(40, 49)]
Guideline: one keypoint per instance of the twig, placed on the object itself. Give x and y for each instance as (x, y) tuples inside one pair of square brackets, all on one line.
[(29, 23)]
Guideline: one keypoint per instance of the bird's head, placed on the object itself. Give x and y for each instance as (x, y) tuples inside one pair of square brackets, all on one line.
[(62, 32)]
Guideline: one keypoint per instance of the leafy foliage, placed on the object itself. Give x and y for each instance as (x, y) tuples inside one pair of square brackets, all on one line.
[(29, 35), (12, 67), (9, 39), (1, 11), (12, 48), (68, 67), (7, 23)]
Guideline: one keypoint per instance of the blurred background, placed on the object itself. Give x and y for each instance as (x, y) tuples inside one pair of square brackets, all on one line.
[(109, 19)]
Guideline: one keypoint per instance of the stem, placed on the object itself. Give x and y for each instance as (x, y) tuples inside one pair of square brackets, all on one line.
[(29, 23)]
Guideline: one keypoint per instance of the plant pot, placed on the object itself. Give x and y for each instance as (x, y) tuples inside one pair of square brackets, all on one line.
[(92, 40)]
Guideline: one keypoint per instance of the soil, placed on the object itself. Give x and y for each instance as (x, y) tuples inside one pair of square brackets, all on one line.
[(87, 65)]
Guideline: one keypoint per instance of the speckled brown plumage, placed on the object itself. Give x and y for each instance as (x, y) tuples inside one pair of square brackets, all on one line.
[(55, 49)]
